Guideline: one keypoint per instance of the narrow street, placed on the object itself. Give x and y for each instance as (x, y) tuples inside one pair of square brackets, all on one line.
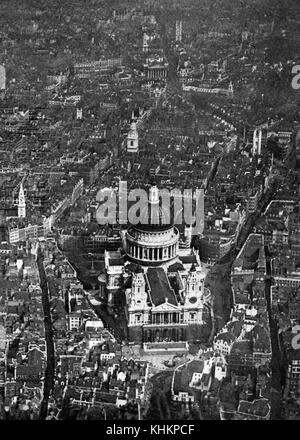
[(50, 367), (220, 274), (277, 364)]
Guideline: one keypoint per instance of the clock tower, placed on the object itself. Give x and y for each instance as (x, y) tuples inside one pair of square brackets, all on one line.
[(193, 296), (21, 203)]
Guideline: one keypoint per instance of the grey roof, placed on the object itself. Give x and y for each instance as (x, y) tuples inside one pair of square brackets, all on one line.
[(187, 259), (159, 287), (116, 261), (175, 267)]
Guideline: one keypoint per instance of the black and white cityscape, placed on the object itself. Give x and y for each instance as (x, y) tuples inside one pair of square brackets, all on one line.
[(149, 210)]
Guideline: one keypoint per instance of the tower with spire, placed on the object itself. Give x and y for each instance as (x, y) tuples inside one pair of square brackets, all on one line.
[(133, 139), (193, 295), (138, 308), (21, 203)]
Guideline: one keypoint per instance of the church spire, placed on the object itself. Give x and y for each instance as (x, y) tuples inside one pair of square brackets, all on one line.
[(21, 203), (133, 139)]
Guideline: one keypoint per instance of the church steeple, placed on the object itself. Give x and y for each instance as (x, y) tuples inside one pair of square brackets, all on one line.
[(138, 290), (133, 139), (21, 203), (194, 285)]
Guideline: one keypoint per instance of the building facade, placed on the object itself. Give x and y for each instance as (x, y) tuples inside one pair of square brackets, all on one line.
[(164, 289)]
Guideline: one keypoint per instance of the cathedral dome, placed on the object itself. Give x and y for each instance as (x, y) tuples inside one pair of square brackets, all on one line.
[(154, 239)]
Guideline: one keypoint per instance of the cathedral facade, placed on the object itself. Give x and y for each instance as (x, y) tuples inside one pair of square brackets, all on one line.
[(165, 304), (163, 286)]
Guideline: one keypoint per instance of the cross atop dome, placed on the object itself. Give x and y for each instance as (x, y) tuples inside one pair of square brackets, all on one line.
[(154, 195)]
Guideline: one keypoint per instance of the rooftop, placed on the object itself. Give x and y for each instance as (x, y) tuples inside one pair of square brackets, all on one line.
[(160, 289)]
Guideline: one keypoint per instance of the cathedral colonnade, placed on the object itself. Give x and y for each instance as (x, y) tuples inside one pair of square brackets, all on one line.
[(161, 333), (140, 252), (152, 246), (156, 73)]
